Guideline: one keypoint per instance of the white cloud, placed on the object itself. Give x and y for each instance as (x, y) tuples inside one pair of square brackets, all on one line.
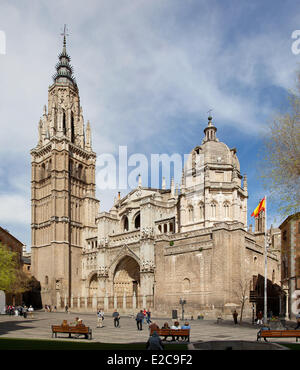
[(147, 71)]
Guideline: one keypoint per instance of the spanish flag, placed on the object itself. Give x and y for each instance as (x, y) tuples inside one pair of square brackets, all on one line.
[(259, 208)]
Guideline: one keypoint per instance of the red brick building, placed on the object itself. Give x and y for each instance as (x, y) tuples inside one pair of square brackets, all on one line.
[(290, 261), (16, 246)]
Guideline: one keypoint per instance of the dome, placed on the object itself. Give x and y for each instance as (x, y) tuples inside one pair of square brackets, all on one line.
[(212, 151)]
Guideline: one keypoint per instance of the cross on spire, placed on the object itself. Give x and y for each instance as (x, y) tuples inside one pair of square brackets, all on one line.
[(65, 34), (209, 112)]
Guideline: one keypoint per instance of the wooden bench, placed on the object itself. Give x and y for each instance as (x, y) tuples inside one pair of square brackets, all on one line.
[(78, 329), (183, 333), (278, 334)]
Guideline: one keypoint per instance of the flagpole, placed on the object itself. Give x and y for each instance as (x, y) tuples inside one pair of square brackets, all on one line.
[(266, 266)]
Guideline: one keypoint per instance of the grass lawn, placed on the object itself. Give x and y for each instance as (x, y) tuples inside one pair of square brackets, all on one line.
[(293, 346), (41, 344)]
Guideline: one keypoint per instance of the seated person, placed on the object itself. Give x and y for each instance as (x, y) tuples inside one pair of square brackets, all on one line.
[(153, 326), (64, 323), (165, 326), (176, 326), (186, 326), (264, 327)]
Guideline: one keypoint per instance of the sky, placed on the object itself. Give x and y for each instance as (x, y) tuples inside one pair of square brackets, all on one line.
[(148, 72)]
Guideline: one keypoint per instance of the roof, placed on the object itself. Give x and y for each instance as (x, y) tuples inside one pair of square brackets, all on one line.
[(10, 235), (289, 218)]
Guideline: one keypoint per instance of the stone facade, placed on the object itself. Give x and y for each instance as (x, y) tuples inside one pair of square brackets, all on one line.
[(154, 246), (64, 206), (290, 259)]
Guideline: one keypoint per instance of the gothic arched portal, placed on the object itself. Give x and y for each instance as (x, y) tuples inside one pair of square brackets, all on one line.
[(93, 286), (127, 277)]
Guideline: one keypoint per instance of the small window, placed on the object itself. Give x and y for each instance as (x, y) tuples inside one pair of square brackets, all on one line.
[(72, 128), (191, 213), (137, 221), (125, 224), (284, 235), (64, 123)]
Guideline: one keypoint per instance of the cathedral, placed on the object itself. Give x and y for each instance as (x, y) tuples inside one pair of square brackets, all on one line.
[(156, 247)]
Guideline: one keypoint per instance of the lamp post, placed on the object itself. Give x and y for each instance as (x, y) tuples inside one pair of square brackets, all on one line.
[(182, 302)]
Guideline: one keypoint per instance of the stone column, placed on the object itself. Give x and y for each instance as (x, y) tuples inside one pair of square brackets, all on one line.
[(134, 301), (106, 302), (85, 302), (72, 301), (78, 302), (124, 301), (287, 312), (115, 301), (58, 302), (94, 302)]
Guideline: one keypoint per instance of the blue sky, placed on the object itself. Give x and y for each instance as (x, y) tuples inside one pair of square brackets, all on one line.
[(148, 71)]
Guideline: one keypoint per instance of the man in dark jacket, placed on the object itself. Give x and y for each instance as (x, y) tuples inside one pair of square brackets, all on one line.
[(116, 317), (139, 320), (155, 343)]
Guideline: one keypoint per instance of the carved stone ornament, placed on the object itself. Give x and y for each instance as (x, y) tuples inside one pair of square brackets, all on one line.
[(102, 271), (147, 266), (147, 232)]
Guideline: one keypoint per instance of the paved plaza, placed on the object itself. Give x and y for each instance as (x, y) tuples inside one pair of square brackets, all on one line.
[(39, 327)]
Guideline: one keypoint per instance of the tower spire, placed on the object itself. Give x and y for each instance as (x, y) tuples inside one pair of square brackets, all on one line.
[(210, 130), (64, 70)]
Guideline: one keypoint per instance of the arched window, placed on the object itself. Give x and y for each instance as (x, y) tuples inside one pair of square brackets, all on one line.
[(64, 124), (226, 210), (201, 210), (43, 171), (191, 213), (125, 223), (213, 207), (80, 171), (137, 221), (72, 128), (186, 284)]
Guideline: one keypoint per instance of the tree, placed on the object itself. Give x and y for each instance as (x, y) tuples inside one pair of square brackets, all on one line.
[(241, 292), (280, 164), (8, 265), (19, 285)]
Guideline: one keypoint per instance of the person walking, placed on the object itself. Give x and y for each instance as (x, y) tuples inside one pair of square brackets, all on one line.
[(66, 309), (235, 316), (148, 316), (259, 318), (139, 320), (298, 320), (100, 315), (116, 317)]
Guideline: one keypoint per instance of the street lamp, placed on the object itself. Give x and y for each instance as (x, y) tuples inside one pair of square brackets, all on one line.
[(182, 302)]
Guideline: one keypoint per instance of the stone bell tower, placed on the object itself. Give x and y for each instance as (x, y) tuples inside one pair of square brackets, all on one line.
[(63, 200)]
